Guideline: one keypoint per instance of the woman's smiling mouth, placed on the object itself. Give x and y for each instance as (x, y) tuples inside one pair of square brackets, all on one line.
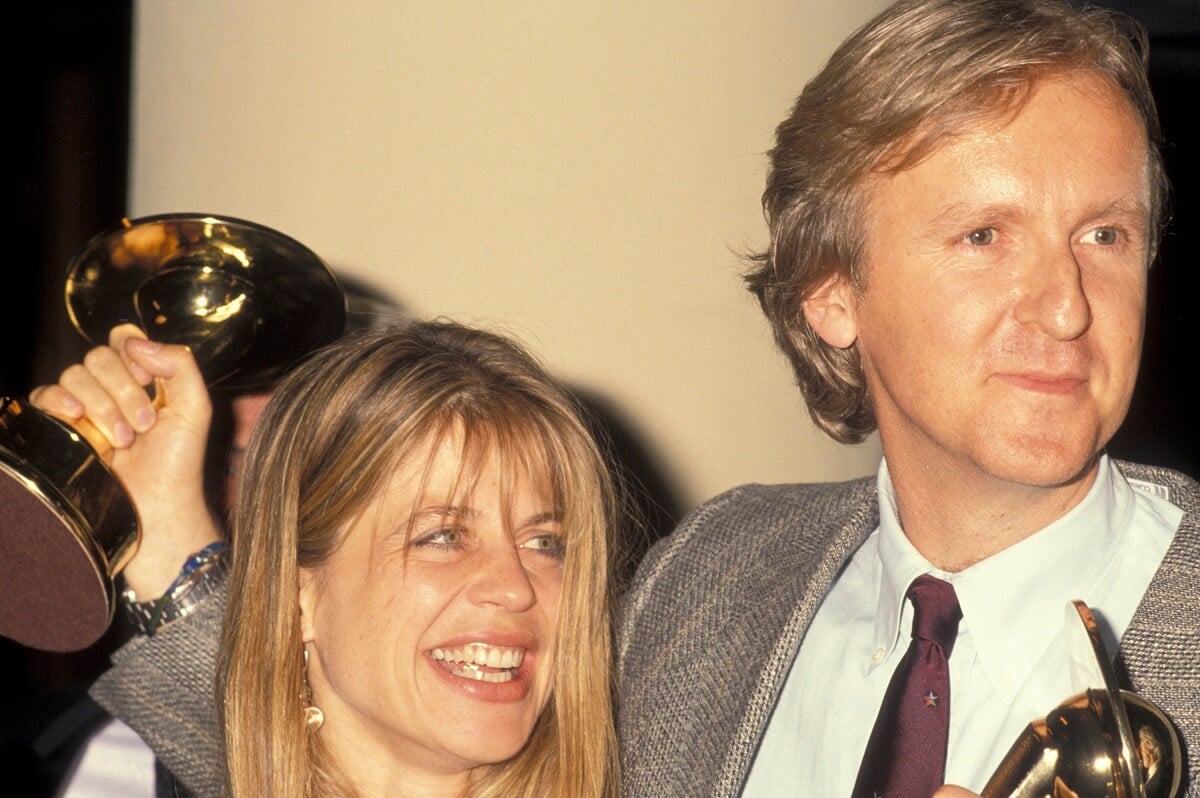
[(481, 661)]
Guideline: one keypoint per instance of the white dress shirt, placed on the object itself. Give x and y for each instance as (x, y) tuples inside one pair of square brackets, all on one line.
[(115, 764), (1008, 666)]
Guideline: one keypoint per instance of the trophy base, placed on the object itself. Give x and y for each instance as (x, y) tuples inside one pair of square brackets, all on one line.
[(56, 594)]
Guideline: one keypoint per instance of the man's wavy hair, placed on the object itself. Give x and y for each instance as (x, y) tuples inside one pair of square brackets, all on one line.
[(920, 71)]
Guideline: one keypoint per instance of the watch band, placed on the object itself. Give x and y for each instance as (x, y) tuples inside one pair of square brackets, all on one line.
[(202, 574)]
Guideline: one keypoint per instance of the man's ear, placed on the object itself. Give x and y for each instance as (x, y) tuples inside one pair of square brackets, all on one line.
[(308, 604), (830, 310)]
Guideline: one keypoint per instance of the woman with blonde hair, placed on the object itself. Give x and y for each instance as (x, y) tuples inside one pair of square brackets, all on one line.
[(418, 583)]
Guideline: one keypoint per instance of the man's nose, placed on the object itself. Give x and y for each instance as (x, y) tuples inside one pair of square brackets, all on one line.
[(501, 580), (1054, 296)]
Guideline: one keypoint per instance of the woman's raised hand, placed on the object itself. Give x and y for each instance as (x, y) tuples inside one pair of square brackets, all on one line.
[(157, 444)]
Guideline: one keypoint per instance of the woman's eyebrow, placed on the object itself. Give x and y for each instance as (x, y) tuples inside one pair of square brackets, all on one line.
[(445, 511), (466, 512), (542, 518)]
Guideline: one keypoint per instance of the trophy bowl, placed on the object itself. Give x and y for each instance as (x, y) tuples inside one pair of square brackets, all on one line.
[(1103, 742), (248, 301)]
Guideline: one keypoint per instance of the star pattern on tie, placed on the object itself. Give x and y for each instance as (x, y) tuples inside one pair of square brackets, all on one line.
[(931, 699)]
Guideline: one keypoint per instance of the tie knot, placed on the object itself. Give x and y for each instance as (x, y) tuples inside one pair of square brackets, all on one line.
[(935, 611)]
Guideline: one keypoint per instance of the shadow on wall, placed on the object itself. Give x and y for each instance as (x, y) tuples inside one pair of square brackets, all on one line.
[(649, 496)]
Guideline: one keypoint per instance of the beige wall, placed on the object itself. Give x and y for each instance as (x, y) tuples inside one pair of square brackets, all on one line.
[(576, 175)]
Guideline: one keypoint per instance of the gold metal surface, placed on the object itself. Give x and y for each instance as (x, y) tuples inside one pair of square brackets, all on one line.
[(1103, 742), (248, 300), (66, 473), (67, 491)]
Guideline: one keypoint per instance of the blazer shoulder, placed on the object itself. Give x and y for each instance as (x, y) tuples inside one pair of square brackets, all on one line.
[(1180, 489), (767, 509), (749, 526), (713, 614)]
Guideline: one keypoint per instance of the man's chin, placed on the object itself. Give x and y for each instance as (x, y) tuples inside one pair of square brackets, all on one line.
[(1048, 465)]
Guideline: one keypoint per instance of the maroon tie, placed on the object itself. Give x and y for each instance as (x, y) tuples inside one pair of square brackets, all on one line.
[(906, 755)]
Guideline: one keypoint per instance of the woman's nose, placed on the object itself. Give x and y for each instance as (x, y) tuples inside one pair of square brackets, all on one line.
[(501, 580)]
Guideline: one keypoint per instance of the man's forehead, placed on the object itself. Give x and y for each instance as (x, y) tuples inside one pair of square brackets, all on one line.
[(990, 110), (1069, 155)]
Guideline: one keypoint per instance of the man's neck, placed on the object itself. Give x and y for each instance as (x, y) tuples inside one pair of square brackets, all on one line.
[(958, 517)]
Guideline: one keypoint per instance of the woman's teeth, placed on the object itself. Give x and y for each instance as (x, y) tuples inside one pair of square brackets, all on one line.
[(481, 661)]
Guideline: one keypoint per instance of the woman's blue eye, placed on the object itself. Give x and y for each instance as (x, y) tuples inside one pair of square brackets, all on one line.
[(449, 537), (551, 545)]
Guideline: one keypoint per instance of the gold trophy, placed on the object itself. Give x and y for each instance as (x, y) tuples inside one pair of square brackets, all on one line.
[(249, 302), (1102, 743)]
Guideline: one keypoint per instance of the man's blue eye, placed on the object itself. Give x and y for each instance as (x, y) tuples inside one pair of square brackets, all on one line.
[(981, 237), (1104, 236)]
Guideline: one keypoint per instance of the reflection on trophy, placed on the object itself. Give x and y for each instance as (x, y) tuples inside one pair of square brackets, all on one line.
[(248, 301), (1102, 743)]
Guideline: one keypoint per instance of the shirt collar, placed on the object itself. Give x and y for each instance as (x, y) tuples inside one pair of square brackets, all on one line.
[(1057, 564), (900, 564)]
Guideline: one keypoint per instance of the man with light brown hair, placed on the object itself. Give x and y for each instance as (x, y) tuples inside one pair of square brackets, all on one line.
[(963, 207)]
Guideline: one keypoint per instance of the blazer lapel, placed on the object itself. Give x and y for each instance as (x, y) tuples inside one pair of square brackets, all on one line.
[(814, 568)]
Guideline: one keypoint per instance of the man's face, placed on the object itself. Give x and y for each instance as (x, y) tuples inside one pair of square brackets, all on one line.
[(1001, 319)]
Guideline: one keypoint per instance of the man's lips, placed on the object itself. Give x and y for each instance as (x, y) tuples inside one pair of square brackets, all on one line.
[(1044, 382)]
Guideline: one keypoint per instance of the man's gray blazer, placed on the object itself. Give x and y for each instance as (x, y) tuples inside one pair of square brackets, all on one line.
[(718, 609), (709, 630)]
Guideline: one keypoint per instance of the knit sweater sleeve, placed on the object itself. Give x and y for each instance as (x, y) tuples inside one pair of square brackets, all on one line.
[(163, 688)]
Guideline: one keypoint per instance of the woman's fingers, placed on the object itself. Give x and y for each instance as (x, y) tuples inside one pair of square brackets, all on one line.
[(104, 387), (57, 401), (109, 387), (159, 442), (178, 374), (116, 341), (173, 365)]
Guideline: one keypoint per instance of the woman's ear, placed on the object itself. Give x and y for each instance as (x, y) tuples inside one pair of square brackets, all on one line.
[(308, 604), (830, 311)]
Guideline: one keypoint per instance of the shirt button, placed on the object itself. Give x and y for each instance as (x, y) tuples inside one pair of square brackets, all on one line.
[(877, 655), (1005, 678)]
